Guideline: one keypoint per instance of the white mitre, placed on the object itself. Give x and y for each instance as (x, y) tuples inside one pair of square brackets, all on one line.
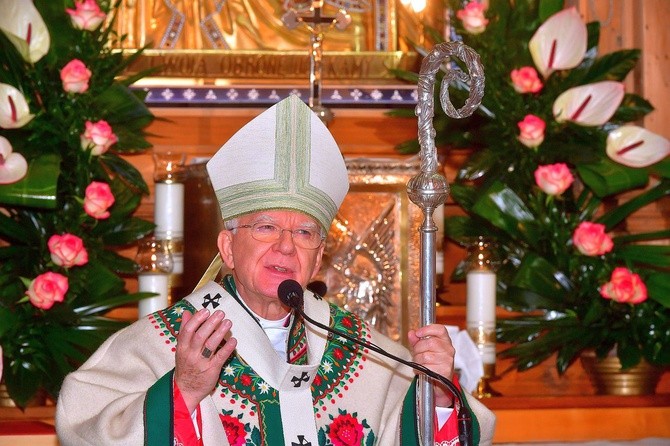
[(285, 158)]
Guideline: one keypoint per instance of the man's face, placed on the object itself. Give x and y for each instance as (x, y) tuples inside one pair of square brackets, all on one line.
[(259, 267)]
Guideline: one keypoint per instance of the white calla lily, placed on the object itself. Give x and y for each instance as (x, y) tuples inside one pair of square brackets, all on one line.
[(14, 110), (25, 28), (559, 43), (589, 105), (635, 146), (13, 166)]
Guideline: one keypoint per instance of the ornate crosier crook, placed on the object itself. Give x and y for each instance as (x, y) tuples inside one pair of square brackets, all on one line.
[(429, 188)]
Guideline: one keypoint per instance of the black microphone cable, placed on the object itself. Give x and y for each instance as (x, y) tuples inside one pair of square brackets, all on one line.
[(290, 293)]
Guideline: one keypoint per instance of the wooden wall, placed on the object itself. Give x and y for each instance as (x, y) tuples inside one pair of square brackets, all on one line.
[(638, 24)]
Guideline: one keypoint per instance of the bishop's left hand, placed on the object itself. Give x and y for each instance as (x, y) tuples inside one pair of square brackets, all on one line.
[(432, 348)]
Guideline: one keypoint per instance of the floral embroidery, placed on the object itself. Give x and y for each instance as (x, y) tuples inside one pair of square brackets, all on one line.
[(247, 392), (235, 430), (346, 430), (342, 360)]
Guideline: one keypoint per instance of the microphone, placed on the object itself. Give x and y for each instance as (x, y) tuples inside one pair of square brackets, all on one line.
[(318, 287), (291, 294)]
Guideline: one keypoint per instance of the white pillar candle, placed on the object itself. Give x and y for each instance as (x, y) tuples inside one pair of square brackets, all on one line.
[(481, 296), (169, 210), (152, 283), (480, 312), (169, 220)]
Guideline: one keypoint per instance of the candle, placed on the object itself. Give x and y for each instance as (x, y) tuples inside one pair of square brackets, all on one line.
[(169, 210), (169, 220), (480, 311), (152, 283), (169, 213), (154, 262)]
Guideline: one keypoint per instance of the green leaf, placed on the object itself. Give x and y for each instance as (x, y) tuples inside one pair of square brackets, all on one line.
[(123, 232), (503, 208), (642, 237), (22, 381), (116, 262), (549, 7), (662, 168), (459, 227), (620, 213), (126, 171), (408, 147), (608, 178), (658, 287), (629, 353), (38, 188), (12, 229), (524, 300), (101, 281), (537, 274), (8, 321), (655, 256), (632, 108), (102, 306), (614, 66)]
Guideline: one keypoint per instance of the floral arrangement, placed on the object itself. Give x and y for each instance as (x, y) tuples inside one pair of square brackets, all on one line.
[(66, 195), (556, 167)]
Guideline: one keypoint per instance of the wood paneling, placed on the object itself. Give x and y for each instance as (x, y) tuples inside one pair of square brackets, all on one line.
[(640, 24)]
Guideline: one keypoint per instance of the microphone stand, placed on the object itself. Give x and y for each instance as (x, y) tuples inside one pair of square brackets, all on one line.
[(462, 413), (429, 189)]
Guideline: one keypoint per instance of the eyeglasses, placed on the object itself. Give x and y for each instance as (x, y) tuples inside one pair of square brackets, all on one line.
[(270, 233)]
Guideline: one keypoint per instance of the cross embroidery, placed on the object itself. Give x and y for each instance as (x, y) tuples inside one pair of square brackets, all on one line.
[(303, 442), (297, 382), (211, 300)]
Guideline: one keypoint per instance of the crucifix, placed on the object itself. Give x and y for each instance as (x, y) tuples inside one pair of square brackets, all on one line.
[(317, 26)]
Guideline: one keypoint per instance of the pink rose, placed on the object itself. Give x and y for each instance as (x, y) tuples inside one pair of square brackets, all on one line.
[(67, 250), (526, 80), (98, 199), (590, 239), (46, 289), (531, 131), (87, 15), (624, 287), (98, 137), (473, 18), (553, 179), (75, 76)]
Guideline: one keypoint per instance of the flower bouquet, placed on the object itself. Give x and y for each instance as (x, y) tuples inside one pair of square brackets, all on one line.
[(66, 195), (556, 167)]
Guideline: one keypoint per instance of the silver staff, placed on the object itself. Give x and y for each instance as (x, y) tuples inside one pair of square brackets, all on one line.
[(429, 188)]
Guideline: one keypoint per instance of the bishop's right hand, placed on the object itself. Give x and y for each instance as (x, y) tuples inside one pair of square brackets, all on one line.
[(201, 353)]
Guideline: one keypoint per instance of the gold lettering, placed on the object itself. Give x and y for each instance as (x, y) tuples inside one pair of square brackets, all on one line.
[(271, 65)]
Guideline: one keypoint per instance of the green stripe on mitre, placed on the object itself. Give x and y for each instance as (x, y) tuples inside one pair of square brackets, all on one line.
[(280, 176), (256, 196)]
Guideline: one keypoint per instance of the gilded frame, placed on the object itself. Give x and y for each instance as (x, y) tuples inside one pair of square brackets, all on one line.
[(371, 262)]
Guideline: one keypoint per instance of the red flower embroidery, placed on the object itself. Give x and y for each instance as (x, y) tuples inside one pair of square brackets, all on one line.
[(345, 431), (246, 380), (234, 430), (317, 380), (338, 353), (347, 322)]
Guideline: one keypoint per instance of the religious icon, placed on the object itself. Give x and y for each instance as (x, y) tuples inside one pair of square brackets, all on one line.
[(242, 25)]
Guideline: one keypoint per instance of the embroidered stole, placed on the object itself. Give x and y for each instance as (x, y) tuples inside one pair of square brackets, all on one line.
[(291, 381)]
